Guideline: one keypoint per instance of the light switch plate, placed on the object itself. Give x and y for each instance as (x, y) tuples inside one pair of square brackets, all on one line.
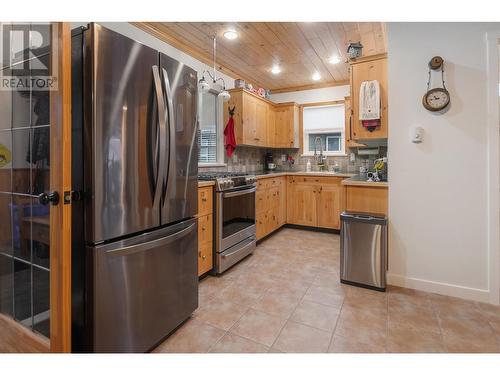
[(417, 134)]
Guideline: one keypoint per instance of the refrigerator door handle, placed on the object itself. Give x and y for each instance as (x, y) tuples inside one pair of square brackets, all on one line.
[(171, 125), (163, 129), (151, 244)]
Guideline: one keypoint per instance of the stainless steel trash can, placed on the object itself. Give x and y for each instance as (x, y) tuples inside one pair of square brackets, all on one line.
[(363, 250)]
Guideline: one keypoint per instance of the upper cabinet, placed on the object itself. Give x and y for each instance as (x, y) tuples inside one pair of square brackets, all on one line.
[(368, 69), (287, 125), (259, 122)]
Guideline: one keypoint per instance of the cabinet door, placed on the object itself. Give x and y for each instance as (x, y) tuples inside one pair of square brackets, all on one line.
[(282, 200), (271, 127), (329, 205), (282, 137), (301, 204), (261, 123), (368, 71), (261, 222), (249, 120), (205, 262)]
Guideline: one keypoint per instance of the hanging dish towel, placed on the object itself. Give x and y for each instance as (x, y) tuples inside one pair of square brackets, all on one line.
[(369, 104), (229, 138)]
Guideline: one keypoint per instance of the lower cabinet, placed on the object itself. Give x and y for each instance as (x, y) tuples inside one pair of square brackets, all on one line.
[(314, 201), (270, 205), (205, 230), (369, 199)]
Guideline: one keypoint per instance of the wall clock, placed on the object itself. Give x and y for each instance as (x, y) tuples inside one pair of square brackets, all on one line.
[(436, 99)]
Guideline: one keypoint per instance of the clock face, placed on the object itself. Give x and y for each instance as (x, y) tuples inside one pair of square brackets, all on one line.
[(436, 99)]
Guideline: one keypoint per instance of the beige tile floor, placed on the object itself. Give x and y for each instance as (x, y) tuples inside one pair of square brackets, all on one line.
[(287, 297)]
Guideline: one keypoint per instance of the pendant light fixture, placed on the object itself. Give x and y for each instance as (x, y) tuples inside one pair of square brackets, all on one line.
[(205, 86)]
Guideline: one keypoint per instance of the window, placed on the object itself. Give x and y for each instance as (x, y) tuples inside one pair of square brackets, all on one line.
[(324, 129), (210, 132)]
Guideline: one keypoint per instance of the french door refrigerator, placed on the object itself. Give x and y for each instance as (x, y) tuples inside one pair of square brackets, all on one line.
[(135, 166)]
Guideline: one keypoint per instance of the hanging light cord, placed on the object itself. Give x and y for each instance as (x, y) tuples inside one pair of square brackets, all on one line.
[(214, 76)]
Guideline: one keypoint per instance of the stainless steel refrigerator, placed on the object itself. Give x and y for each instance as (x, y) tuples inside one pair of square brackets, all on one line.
[(135, 165)]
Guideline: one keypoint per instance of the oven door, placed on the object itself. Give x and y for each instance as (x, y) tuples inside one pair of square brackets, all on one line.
[(236, 216)]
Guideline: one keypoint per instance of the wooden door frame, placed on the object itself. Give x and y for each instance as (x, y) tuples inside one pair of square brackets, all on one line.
[(60, 181)]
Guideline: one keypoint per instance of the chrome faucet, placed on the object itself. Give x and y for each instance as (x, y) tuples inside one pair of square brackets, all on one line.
[(321, 158)]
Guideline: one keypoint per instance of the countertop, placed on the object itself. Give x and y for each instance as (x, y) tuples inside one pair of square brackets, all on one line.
[(349, 179), (260, 175), (361, 181), (205, 183)]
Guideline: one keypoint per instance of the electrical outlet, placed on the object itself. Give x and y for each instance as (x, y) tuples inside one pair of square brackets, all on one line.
[(283, 157), (352, 156)]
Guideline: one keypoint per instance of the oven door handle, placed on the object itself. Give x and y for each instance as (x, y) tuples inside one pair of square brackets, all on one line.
[(239, 192)]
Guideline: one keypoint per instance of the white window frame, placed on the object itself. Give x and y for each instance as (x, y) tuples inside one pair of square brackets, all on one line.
[(306, 132), (220, 129)]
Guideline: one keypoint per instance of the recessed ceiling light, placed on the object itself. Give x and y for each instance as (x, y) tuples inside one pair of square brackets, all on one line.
[(334, 60), (316, 76), (276, 69), (230, 34)]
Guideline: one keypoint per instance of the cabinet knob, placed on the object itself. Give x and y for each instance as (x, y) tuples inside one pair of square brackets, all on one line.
[(203, 257)]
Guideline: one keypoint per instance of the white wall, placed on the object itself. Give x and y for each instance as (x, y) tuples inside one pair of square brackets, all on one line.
[(438, 197), (139, 35), (311, 96)]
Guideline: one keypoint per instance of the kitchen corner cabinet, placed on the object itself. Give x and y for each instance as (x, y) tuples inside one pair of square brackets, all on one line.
[(314, 201), (259, 122), (270, 205), (367, 69), (205, 229)]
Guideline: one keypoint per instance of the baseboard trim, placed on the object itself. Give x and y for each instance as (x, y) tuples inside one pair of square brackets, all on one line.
[(480, 295)]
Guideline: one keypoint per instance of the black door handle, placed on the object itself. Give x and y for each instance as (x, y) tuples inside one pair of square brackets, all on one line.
[(52, 197)]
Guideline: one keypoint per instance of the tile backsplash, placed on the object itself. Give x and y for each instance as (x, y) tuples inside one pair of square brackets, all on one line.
[(252, 159)]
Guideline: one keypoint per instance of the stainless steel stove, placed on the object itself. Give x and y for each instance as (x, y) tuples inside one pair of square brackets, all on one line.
[(235, 230)]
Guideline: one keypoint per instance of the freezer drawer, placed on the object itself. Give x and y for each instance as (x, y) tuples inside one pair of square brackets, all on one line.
[(363, 250), (143, 288)]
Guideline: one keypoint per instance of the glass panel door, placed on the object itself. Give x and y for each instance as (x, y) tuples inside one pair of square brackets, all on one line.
[(24, 174)]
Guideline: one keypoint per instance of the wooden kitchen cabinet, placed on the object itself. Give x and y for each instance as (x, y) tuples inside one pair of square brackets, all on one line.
[(368, 199), (250, 117), (270, 205), (271, 127), (286, 125), (205, 229), (329, 204), (260, 122), (368, 69), (314, 201)]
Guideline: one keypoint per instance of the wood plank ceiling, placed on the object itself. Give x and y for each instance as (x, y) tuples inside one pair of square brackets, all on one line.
[(299, 48)]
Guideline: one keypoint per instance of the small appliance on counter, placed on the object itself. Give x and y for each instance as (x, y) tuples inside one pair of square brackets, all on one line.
[(269, 162)]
